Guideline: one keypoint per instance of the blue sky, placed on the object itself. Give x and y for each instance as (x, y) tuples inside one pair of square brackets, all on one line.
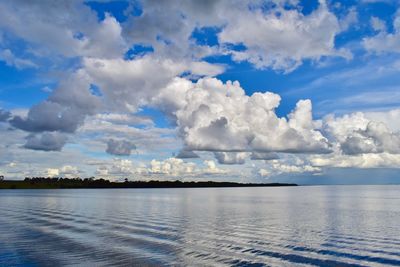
[(143, 89)]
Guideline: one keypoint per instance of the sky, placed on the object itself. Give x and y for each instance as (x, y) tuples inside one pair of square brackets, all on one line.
[(246, 91)]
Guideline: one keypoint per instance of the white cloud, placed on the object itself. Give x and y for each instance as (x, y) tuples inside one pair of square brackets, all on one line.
[(51, 172), (274, 37), (130, 84), (276, 167), (378, 24), (75, 33), (357, 134), (349, 20), (220, 117), (264, 172), (69, 171), (125, 119), (211, 168), (379, 160), (384, 41), (66, 171), (170, 168), (390, 118), (281, 38)]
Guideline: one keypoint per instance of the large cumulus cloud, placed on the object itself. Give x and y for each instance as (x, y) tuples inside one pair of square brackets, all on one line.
[(357, 134), (221, 117)]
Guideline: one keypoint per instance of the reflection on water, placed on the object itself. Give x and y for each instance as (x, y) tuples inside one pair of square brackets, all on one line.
[(288, 226)]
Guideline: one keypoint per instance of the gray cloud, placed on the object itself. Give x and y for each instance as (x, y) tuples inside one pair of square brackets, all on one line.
[(230, 157), (120, 147), (64, 111), (4, 115), (78, 33), (49, 116), (220, 117), (376, 138), (46, 141), (186, 154), (357, 134), (263, 156)]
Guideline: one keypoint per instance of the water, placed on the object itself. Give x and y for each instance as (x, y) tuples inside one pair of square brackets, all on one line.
[(287, 226)]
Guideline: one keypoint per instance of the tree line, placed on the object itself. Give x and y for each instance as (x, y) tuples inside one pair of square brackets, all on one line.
[(92, 182)]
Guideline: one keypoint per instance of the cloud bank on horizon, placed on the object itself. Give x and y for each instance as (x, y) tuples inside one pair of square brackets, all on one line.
[(229, 90)]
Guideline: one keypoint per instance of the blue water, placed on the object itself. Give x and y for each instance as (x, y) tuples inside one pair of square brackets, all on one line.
[(287, 226)]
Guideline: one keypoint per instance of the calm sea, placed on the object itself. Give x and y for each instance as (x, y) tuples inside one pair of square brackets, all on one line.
[(287, 226)]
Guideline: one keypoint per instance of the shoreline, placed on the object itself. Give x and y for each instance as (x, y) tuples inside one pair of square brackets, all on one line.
[(105, 184)]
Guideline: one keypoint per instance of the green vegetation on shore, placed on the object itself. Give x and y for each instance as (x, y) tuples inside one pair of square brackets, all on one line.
[(59, 183)]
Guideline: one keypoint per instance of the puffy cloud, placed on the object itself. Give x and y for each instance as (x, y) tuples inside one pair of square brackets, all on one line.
[(118, 168), (376, 138), (130, 84), (390, 118), (357, 134), (211, 168), (49, 116), (120, 147), (286, 168), (64, 110), (78, 33), (264, 172), (171, 166), (66, 171), (384, 41), (272, 34), (350, 19), (164, 169), (51, 172), (46, 141), (221, 117), (282, 38), (230, 157), (168, 26), (69, 171)]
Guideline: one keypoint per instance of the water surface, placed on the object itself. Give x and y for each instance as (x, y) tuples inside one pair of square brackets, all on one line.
[(286, 226)]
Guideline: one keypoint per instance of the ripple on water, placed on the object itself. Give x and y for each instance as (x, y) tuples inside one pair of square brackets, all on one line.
[(300, 226)]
